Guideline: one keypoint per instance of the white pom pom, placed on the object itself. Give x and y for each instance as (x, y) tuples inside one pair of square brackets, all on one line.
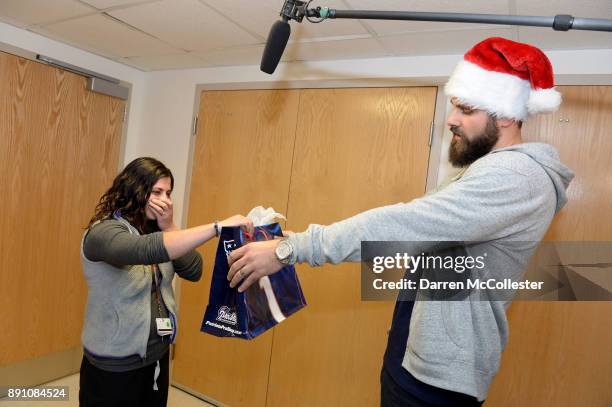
[(543, 100)]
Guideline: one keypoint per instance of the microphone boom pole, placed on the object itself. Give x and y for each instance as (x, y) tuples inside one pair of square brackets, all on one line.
[(561, 22), (297, 9)]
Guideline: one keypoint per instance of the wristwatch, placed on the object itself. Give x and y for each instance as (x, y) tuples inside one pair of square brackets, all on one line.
[(284, 252)]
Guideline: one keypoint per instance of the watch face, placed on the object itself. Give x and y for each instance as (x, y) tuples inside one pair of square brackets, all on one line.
[(283, 250)]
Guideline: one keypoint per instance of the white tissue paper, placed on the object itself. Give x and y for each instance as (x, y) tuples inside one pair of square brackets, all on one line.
[(264, 216)]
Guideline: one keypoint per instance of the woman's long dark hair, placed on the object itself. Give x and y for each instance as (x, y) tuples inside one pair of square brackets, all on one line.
[(130, 192)]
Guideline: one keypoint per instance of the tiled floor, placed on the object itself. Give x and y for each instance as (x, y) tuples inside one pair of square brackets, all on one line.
[(176, 397)]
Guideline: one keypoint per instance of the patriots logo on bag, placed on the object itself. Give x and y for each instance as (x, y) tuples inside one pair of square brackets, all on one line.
[(229, 245), (226, 315)]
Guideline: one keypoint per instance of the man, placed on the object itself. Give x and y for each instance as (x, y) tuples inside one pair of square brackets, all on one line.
[(446, 353)]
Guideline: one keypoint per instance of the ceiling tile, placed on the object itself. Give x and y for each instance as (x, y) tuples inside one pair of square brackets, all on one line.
[(235, 56), (258, 16), (108, 36), (104, 4), (583, 8), (345, 49), (186, 24), (431, 43), (161, 62), (250, 55), (27, 12), (73, 42), (447, 6), (549, 39)]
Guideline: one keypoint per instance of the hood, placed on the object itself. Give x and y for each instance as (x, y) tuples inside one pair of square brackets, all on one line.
[(548, 157)]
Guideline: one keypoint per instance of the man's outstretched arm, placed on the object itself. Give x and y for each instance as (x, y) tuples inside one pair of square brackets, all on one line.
[(484, 205)]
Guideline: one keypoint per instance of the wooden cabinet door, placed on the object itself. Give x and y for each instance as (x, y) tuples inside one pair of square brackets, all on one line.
[(560, 353), (355, 149)]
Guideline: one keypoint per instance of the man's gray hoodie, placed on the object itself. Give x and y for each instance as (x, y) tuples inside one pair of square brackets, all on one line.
[(505, 201)]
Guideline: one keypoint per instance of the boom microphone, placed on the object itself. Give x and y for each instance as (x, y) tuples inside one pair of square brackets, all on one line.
[(275, 46), (298, 9)]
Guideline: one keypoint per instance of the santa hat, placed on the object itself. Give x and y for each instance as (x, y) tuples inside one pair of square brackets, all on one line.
[(505, 78)]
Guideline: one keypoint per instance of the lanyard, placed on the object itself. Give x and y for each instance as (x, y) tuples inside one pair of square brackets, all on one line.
[(157, 292)]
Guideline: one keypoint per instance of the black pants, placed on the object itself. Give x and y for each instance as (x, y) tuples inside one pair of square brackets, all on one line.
[(134, 388), (392, 395)]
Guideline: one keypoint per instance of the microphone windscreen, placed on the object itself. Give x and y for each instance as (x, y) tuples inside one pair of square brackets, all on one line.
[(277, 41)]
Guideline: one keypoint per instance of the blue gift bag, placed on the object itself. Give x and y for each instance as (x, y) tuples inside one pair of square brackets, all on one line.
[(263, 305)]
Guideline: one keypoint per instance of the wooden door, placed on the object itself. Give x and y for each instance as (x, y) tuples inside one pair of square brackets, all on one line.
[(560, 353), (59, 151), (356, 149), (242, 159)]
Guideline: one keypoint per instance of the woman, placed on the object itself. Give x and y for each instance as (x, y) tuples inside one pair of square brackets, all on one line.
[(130, 253)]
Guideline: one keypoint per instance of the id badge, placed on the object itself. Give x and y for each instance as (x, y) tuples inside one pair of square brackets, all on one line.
[(164, 326)]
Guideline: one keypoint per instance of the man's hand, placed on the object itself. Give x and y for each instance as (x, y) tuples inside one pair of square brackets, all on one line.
[(251, 262)]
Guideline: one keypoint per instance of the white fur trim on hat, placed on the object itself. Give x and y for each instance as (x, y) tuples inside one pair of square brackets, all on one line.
[(503, 95), (543, 100)]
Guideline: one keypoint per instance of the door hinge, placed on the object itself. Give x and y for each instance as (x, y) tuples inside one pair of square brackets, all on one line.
[(124, 113), (194, 130), (431, 130)]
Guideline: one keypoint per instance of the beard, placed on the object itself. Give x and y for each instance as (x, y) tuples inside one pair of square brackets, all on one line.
[(464, 152)]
